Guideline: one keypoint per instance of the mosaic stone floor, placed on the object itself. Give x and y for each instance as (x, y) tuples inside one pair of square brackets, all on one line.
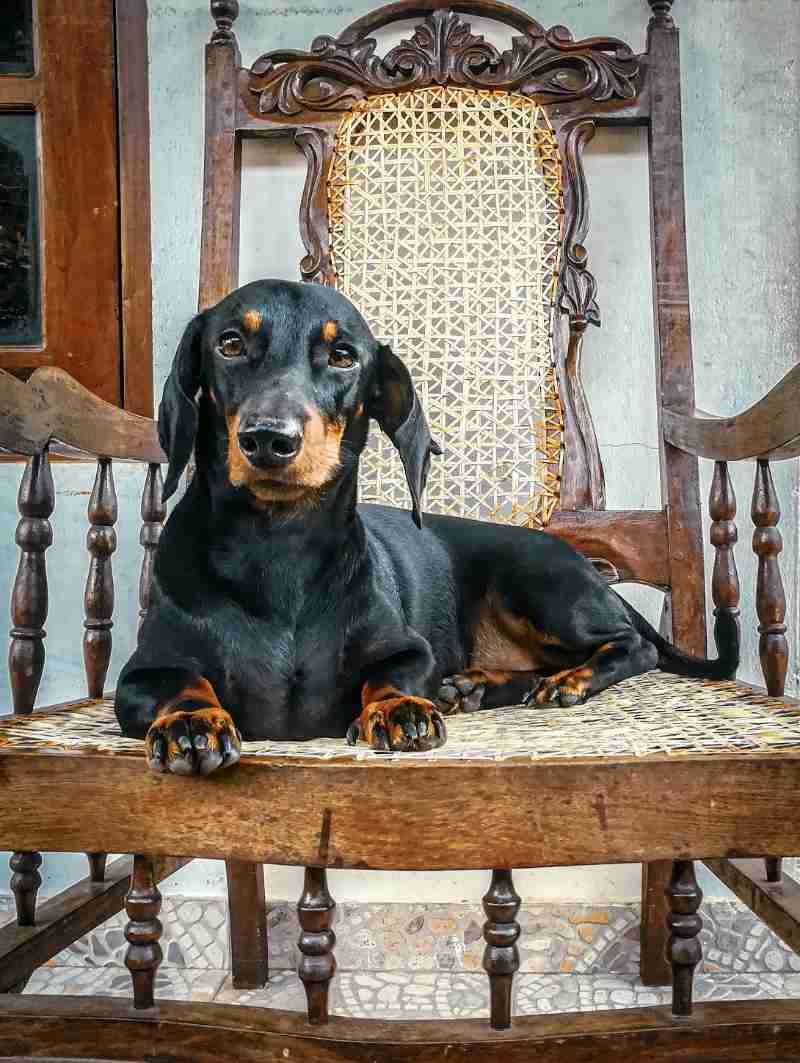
[(424, 961)]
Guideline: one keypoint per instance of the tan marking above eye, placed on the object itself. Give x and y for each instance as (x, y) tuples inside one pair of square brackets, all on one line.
[(253, 320), (330, 330)]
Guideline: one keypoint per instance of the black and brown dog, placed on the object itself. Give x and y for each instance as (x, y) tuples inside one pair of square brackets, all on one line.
[(283, 610)]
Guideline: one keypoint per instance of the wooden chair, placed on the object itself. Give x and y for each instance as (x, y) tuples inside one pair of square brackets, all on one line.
[(660, 770)]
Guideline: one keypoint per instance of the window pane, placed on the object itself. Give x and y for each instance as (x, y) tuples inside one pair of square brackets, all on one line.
[(16, 37), (20, 309)]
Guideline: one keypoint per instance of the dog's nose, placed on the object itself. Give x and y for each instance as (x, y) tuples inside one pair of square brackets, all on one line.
[(270, 444)]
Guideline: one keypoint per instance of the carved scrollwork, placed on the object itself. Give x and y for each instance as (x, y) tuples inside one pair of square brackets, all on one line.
[(550, 64), (578, 286), (317, 146)]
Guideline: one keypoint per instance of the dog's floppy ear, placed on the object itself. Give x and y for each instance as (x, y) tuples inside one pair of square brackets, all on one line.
[(178, 413), (396, 407)]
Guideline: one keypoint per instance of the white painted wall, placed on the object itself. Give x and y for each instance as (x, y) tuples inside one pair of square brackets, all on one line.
[(742, 111)]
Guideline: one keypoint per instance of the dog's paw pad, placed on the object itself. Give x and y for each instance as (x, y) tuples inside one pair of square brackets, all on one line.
[(195, 742), (404, 724)]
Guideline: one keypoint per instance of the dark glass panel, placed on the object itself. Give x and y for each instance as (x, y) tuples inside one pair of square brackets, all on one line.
[(16, 37), (20, 305)]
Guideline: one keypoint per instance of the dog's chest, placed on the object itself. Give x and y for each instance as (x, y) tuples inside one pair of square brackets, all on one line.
[(288, 673)]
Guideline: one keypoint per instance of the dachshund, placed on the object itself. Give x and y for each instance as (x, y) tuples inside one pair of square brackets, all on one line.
[(282, 609)]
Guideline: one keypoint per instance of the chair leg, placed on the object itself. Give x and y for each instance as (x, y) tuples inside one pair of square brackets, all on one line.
[(654, 967), (773, 866), (25, 883), (315, 911), (247, 910), (144, 930), (685, 951)]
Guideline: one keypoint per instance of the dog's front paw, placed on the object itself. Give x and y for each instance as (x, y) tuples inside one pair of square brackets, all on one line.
[(403, 724), (193, 742)]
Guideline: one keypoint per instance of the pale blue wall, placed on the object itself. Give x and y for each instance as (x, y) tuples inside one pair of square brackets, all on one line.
[(741, 116)]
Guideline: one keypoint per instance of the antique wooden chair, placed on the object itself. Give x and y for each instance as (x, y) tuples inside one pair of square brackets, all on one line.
[(445, 194)]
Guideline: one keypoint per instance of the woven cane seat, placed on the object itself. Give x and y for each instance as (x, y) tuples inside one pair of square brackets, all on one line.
[(651, 715), (445, 208)]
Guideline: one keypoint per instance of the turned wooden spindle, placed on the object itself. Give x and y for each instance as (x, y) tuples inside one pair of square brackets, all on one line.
[(501, 955), (770, 598), (25, 883), (317, 963), (154, 512), (662, 12), (143, 955), (723, 535), (684, 951), (35, 501), (98, 599), (224, 13), (97, 866)]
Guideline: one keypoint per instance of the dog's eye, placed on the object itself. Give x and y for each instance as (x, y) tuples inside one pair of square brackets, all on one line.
[(230, 345), (342, 358)]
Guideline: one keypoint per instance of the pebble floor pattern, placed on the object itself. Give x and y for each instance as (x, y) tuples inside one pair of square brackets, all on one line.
[(424, 961)]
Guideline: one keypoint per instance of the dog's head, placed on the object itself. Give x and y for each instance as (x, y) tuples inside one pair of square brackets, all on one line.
[(288, 377)]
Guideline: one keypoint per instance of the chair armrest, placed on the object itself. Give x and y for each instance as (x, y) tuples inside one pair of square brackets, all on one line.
[(52, 408), (770, 429)]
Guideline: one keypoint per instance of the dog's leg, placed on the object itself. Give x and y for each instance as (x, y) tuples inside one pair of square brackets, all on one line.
[(485, 688), (625, 656)]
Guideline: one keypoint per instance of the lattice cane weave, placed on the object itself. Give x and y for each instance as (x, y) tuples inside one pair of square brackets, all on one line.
[(446, 213)]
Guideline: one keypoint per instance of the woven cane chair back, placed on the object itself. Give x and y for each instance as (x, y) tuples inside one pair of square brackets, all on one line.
[(445, 212)]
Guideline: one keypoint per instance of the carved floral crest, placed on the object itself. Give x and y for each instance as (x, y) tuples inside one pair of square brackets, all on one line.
[(443, 50)]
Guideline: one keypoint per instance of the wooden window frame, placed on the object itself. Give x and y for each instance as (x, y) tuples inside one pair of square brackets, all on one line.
[(94, 202)]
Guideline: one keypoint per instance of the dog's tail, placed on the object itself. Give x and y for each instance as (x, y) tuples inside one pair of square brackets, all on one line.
[(670, 659)]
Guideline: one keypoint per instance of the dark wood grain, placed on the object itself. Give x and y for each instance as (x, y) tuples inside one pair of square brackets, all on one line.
[(219, 242), (633, 542), (154, 513), (582, 485), (73, 93), (548, 64), (501, 930), (674, 375), (545, 813), (317, 146), (247, 914), (29, 604), (684, 951), (143, 930), (29, 595), (317, 965), (67, 916), (775, 903), (770, 428), (770, 596), (79, 1028), (136, 292), (52, 409), (97, 866), (724, 535), (654, 968), (98, 598)]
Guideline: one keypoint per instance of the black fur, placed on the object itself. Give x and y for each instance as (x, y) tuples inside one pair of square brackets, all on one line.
[(289, 606)]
